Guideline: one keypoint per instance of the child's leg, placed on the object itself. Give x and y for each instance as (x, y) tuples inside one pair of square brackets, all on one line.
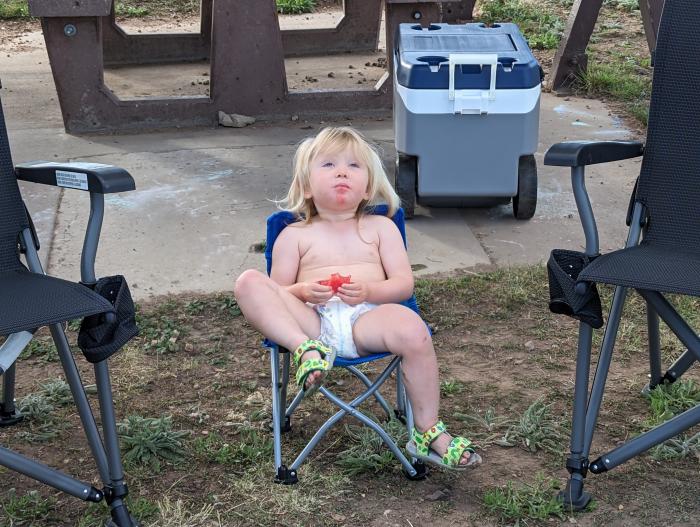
[(395, 328), (277, 314)]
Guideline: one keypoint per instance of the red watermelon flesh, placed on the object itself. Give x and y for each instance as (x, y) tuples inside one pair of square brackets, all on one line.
[(335, 281)]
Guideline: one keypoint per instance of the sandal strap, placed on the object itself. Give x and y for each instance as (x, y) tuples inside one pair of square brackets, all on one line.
[(309, 366), (423, 440), (454, 452), (310, 345)]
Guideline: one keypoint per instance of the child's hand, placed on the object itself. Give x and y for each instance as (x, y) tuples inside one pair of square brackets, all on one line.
[(315, 293), (353, 293)]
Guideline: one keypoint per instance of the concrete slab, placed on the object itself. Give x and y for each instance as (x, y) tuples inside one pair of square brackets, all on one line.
[(203, 195)]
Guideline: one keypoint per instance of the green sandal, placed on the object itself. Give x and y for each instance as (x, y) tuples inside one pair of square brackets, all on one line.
[(419, 447), (324, 364)]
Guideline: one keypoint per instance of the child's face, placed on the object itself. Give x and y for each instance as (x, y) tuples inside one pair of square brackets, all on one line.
[(338, 180)]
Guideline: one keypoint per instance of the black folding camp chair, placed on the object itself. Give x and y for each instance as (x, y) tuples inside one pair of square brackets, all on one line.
[(664, 212), (29, 299), (282, 412)]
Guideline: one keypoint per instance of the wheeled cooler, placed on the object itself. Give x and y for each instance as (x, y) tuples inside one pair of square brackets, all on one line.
[(466, 116)]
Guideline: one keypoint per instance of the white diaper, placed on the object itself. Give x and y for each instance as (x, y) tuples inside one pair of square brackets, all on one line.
[(337, 320)]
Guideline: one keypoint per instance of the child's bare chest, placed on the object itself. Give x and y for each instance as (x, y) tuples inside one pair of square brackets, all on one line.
[(341, 251)]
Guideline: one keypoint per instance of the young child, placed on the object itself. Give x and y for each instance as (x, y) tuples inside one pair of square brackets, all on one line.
[(336, 175)]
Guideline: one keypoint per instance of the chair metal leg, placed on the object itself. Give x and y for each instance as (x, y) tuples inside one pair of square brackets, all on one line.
[(678, 368), (115, 490), (378, 396), (9, 414), (654, 347), (49, 476), (603, 367), (83, 406), (400, 410), (645, 441), (283, 390), (680, 422), (282, 473), (420, 467), (346, 408), (675, 322), (350, 409), (573, 495)]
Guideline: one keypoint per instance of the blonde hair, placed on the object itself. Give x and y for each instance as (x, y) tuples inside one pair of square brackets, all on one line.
[(332, 139)]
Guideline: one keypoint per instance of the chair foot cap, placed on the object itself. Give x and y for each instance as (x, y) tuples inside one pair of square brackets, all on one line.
[(421, 472), (577, 503), (286, 476), (10, 418)]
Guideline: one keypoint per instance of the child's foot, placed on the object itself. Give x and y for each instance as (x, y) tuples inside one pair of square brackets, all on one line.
[(438, 447), (315, 377), (313, 360), (442, 443)]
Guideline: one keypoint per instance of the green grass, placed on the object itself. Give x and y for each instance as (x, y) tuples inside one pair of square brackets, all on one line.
[(143, 509), (667, 401), (536, 429), (525, 504), (30, 509), (19, 9), (148, 441), (287, 7), (626, 80), (624, 5), (160, 332), (41, 349), (130, 11), (368, 453), (486, 428), (250, 448), (541, 27), (451, 387), (14, 9), (39, 411)]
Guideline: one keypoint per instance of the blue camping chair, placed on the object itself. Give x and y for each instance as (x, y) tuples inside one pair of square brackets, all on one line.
[(281, 413)]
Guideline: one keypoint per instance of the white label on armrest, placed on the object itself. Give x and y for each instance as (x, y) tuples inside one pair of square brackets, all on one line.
[(88, 166), (71, 179)]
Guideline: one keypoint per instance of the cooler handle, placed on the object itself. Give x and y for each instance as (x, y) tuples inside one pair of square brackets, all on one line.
[(474, 59)]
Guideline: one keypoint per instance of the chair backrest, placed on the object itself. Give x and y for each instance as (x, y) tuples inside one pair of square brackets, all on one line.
[(13, 216), (669, 184), (277, 221)]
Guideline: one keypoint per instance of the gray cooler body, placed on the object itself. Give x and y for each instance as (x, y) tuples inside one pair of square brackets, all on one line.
[(466, 109)]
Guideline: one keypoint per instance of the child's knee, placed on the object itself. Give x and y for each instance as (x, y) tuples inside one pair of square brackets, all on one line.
[(413, 333), (248, 282)]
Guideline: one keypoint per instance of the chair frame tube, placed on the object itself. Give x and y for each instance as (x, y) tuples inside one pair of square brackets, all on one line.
[(279, 416), (107, 455), (586, 406)]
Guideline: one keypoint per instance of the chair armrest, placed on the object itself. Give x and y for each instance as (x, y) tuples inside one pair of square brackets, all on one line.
[(92, 177), (582, 153)]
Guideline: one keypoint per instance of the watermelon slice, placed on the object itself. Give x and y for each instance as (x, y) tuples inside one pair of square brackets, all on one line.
[(335, 281)]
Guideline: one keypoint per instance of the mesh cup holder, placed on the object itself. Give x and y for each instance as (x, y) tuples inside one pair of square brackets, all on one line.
[(563, 269), (104, 334)]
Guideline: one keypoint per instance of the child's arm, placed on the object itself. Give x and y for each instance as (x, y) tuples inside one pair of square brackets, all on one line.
[(285, 268), (399, 283)]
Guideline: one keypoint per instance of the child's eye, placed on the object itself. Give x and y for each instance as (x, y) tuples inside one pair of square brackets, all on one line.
[(355, 165), (327, 164)]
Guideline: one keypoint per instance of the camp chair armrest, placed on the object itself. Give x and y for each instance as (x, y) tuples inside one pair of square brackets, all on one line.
[(91, 177), (583, 153)]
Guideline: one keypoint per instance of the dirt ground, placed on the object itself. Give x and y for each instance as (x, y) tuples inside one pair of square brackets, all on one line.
[(499, 350)]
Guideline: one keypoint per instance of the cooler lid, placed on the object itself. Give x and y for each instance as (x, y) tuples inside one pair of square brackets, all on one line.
[(421, 56)]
